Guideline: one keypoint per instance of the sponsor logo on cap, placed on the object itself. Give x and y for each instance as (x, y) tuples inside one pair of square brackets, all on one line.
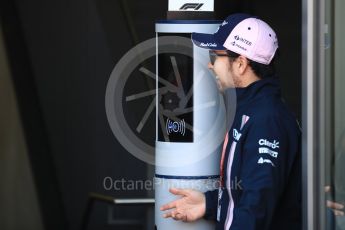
[(208, 44), (224, 23), (239, 46), (245, 41)]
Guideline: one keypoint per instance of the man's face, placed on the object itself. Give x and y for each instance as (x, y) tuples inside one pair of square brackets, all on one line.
[(222, 69)]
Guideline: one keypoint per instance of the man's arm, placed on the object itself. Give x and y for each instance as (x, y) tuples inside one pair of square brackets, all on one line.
[(211, 198)]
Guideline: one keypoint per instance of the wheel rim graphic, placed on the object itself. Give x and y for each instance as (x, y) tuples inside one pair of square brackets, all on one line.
[(115, 90)]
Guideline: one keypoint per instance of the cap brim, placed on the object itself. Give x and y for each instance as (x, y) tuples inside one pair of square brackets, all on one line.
[(206, 41)]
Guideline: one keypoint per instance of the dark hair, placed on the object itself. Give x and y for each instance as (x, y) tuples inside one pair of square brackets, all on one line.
[(261, 70)]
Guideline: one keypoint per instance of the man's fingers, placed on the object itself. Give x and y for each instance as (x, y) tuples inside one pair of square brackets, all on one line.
[(171, 214), (184, 218), (334, 205), (327, 189), (181, 192), (338, 213), (168, 206), (175, 191), (179, 216), (175, 215), (167, 215), (173, 204)]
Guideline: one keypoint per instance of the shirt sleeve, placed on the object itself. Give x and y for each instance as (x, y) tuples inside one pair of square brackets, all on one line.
[(211, 204), (264, 172)]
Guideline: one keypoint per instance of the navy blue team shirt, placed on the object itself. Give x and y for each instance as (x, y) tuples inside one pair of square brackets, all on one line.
[(262, 165)]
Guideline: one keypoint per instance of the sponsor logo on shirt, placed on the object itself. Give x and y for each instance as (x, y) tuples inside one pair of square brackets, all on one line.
[(263, 161), (273, 145), (268, 151), (236, 135)]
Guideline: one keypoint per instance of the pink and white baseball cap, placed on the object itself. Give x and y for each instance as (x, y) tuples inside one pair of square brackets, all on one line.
[(243, 34)]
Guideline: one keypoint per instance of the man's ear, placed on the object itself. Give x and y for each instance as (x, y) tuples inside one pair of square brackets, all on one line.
[(242, 64)]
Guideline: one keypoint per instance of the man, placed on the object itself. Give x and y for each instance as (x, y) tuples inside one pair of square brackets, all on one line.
[(261, 162)]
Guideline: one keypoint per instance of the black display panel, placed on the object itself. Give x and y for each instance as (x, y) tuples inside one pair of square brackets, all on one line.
[(175, 94)]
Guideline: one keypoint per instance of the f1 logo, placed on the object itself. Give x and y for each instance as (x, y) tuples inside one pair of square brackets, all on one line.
[(193, 6)]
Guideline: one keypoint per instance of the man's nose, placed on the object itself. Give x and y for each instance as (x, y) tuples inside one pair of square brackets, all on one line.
[(210, 66)]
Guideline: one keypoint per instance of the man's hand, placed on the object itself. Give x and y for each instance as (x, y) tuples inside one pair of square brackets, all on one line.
[(337, 208), (190, 207)]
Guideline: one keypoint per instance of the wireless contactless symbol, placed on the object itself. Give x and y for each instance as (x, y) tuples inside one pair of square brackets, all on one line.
[(176, 127)]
